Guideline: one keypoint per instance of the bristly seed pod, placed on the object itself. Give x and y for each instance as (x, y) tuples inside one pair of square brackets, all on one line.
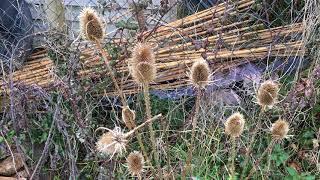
[(144, 72), (234, 125), (135, 163), (128, 117), (267, 94), (142, 53), (200, 74), (112, 142), (91, 26), (279, 129)]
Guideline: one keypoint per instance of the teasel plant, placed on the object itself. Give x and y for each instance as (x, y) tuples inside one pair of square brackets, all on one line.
[(279, 131), (128, 117), (234, 126), (267, 97), (135, 164), (114, 141), (199, 77), (143, 71), (92, 29)]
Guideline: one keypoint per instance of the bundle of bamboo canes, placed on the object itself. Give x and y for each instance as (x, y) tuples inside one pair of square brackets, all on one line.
[(226, 35), (38, 70)]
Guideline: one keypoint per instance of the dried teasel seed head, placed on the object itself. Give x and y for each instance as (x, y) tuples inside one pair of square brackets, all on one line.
[(143, 53), (267, 94), (279, 129), (91, 26), (234, 125), (128, 117), (200, 74), (112, 142), (135, 163), (144, 72)]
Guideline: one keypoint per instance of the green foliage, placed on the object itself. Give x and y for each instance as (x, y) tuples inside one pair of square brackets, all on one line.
[(294, 175), (279, 155), (127, 24)]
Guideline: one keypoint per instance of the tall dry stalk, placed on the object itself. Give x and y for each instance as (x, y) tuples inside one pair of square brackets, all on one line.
[(152, 133), (143, 71), (234, 127), (193, 133), (199, 76)]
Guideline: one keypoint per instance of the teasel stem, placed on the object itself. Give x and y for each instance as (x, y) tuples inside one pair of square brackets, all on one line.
[(193, 132), (143, 150), (232, 158), (256, 164), (253, 138), (149, 121), (152, 134), (113, 77)]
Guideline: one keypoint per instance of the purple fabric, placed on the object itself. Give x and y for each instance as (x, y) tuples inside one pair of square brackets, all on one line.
[(248, 74)]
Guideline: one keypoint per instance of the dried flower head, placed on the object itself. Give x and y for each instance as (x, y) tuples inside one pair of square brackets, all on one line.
[(135, 163), (200, 74), (143, 72), (234, 125), (267, 94), (91, 25), (143, 53), (128, 117), (279, 129), (112, 142)]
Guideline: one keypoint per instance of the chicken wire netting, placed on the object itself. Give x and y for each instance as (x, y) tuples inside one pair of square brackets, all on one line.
[(241, 38)]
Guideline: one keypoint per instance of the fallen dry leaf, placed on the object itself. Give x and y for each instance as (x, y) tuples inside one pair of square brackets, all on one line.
[(295, 165), (7, 165)]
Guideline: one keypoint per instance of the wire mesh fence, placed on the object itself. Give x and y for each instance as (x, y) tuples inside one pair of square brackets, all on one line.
[(65, 83)]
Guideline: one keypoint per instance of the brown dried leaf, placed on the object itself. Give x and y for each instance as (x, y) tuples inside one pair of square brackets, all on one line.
[(295, 165), (7, 165)]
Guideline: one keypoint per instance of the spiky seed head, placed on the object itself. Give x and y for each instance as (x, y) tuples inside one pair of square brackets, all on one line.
[(135, 163), (268, 93), (112, 142), (143, 52), (128, 117), (144, 72), (279, 129), (234, 125), (200, 74), (91, 25)]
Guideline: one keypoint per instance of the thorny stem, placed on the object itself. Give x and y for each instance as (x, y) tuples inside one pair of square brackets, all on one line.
[(233, 156), (253, 137), (105, 58), (152, 134), (193, 132), (256, 164)]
